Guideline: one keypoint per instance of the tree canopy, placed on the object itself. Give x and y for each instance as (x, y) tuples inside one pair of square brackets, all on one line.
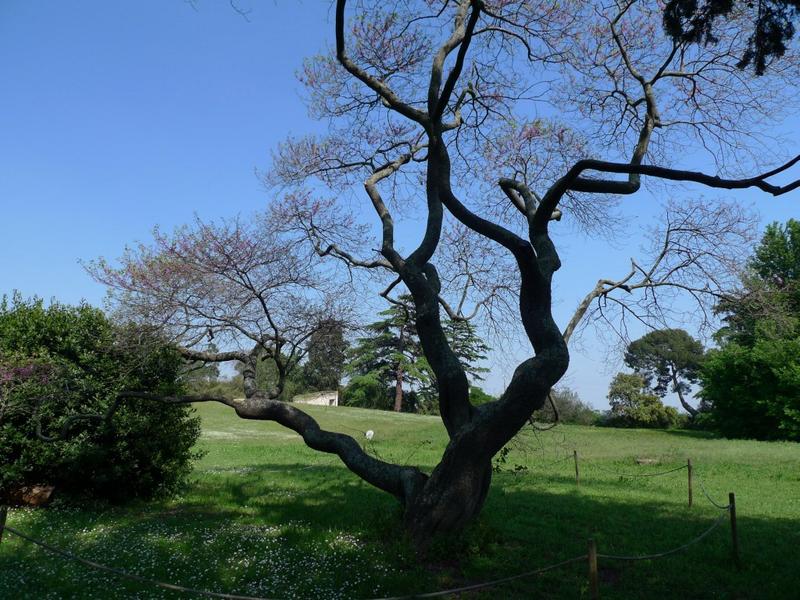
[(770, 24), (325, 357), (751, 383), (669, 360), (777, 258), (390, 352), (244, 286)]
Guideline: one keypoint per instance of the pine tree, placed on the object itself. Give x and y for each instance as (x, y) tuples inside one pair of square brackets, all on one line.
[(669, 360), (326, 354), (470, 349), (391, 351)]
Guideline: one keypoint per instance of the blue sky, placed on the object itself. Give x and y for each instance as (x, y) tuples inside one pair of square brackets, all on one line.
[(117, 116)]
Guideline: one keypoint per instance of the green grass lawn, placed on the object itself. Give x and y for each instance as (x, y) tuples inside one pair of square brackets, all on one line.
[(266, 516)]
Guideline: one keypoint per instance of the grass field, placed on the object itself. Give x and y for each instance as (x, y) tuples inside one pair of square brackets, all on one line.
[(265, 516)]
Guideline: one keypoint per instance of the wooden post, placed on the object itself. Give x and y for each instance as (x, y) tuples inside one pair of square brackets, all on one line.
[(577, 475), (734, 532), (3, 513), (689, 468), (594, 586)]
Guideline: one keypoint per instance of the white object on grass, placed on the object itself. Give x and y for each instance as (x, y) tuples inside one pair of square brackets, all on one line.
[(369, 434)]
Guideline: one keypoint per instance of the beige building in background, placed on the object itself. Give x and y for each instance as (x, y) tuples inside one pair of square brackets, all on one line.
[(323, 398)]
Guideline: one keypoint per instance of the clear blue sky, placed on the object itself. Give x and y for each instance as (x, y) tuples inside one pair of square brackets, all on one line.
[(116, 116)]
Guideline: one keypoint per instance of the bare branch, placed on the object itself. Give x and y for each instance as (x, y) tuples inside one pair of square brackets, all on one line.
[(573, 181), (383, 90)]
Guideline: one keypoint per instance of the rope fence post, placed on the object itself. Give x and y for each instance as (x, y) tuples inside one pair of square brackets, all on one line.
[(594, 586), (734, 532), (3, 515), (689, 468), (577, 474)]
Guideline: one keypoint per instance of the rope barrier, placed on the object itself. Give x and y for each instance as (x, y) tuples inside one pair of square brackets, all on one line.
[(457, 590), (560, 460), (550, 463), (633, 475), (478, 586), (710, 499), (667, 552)]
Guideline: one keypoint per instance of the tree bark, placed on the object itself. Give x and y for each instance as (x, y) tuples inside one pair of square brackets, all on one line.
[(686, 406), (398, 386), (249, 377), (452, 497), (398, 389), (448, 503)]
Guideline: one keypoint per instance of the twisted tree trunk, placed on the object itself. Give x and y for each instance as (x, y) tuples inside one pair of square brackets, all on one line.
[(677, 387)]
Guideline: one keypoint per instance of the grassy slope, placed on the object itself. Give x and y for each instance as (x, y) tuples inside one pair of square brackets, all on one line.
[(267, 516)]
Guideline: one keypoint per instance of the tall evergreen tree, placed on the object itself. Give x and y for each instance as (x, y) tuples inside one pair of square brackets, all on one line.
[(326, 352), (470, 349), (392, 354), (391, 351), (770, 291)]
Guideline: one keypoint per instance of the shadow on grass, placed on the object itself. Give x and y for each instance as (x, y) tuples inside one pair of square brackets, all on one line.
[(278, 530), (692, 433)]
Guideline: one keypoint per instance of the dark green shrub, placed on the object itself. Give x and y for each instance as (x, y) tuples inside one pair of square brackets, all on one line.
[(754, 391), (478, 396), (751, 384), (366, 391), (60, 361)]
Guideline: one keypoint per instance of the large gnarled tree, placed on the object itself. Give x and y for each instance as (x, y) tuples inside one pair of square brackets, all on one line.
[(427, 102)]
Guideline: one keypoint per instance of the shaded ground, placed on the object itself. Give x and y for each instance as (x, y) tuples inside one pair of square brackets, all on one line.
[(268, 517)]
